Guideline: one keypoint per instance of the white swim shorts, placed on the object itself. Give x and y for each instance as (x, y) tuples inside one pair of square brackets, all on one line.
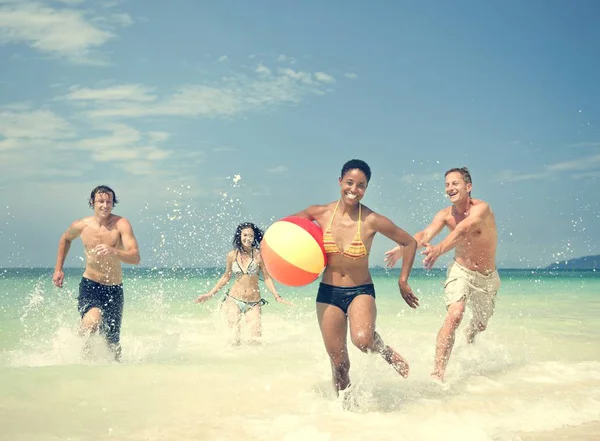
[(477, 289)]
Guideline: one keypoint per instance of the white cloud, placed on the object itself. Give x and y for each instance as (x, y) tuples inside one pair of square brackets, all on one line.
[(124, 155), (303, 77), (122, 19), (38, 143), (585, 144), (286, 59), (124, 92), (37, 124), (222, 58), (155, 154), (140, 168), (228, 97), (62, 32), (585, 175), (324, 78), (261, 191), (9, 144), (83, 142), (586, 163), (580, 168), (351, 75), (17, 106), (511, 176), (278, 169), (262, 69), (158, 136), (224, 149), (107, 154), (117, 136)]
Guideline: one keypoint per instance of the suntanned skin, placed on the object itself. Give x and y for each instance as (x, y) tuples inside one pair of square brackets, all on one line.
[(343, 271), (245, 288), (474, 238), (108, 241)]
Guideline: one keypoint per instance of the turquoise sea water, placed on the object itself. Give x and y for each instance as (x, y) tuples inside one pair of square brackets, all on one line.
[(533, 375)]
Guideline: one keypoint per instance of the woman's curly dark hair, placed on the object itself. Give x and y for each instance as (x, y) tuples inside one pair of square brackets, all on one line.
[(237, 237)]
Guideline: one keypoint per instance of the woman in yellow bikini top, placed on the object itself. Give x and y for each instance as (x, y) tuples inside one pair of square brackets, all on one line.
[(355, 250), (346, 296)]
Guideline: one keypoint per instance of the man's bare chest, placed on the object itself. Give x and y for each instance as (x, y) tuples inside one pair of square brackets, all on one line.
[(92, 237), (470, 235)]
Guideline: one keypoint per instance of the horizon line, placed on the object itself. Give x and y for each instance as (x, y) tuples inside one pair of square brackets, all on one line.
[(221, 267)]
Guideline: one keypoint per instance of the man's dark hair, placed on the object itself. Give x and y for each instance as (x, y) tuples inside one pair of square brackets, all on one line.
[(102, 189), (464, 172)]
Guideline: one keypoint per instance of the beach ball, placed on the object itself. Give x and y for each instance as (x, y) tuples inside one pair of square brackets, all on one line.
[(292, 250)]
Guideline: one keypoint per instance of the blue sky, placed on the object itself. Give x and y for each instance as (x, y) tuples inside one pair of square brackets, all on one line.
[(204, 114)]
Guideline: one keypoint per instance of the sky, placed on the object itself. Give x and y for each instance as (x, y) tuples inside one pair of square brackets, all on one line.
[(201, 115)]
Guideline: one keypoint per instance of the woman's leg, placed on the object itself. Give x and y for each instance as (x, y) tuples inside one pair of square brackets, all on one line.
[(334, 327), (362, 314), (254, 323), (233, 316)]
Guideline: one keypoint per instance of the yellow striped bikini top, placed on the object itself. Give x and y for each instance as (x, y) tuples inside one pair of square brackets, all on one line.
[(355, 250)]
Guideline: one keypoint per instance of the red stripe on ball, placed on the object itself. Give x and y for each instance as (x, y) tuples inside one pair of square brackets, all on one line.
[(283, 271)]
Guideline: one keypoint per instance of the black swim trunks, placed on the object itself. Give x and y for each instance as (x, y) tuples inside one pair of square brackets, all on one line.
[(342, 296), (107, 298)]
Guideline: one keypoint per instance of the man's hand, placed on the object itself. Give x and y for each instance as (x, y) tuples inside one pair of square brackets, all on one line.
[(431, 252), (392, 256), (407, 294), (58, 278), (104, 250)]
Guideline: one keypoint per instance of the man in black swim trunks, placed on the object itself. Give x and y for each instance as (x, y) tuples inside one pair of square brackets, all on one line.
[(108, 240)]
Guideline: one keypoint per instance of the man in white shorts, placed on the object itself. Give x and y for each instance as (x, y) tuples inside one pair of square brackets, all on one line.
[(472, 277)]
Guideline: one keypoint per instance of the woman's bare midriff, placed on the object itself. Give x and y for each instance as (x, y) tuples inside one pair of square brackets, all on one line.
[(343, 271), (246, 289)]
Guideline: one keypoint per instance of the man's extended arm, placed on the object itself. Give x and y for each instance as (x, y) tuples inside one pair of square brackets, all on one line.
[(432, 230), (476, 216), (64, 244)]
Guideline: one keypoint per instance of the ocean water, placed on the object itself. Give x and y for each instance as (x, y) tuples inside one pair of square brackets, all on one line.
[(533, 375)]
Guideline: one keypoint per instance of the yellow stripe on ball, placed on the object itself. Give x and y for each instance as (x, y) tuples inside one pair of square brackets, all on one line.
[(295, 245)]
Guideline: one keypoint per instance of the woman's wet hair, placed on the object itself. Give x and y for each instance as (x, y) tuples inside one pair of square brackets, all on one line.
[(357, 164), (237, 237), (102, 189)]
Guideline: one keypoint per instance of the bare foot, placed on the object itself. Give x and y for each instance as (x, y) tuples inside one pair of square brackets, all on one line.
[(436, 376), (396, 361), (438, 380), (470, 335), (86, 352), (115, 348)]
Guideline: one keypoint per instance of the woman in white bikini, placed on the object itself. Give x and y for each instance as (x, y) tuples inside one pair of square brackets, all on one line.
[(243, 298)]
